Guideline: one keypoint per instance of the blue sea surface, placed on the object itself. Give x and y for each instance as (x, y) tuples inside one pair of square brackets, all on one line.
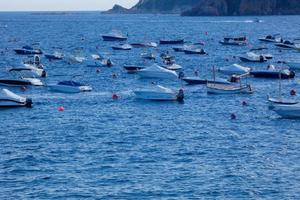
[(99, 148)]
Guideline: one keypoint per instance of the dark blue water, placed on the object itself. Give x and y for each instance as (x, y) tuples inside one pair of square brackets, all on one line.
[(129, 149)]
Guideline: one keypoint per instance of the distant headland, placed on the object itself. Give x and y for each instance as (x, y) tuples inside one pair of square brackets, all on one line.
[(212, 7)]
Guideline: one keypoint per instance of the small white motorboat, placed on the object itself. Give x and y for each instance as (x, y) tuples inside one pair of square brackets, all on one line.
[(148, 56), (156, 71), (114, 36), (234, 69), (159, 93), (253, 57), (287, 111), (55, 56), (9, 99), (69, 87), (287, 45), (36, 66), (271, 38), (213, 88), (235, 41), (124, 47)]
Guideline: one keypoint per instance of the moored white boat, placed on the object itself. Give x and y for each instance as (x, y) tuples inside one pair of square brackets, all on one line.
[(69, 87), (159, 93), (9, 99), (287, 111), (156, 71), (234, 69)]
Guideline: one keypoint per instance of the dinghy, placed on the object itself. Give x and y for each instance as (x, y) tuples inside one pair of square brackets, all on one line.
[(9, 99), (234, 69), (159, 93), (156, 71), (69, 87)]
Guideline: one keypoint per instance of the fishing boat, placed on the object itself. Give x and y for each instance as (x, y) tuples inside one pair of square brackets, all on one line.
[(234, 41), (9, 99), (213, 88), (28, 50), (253, 57), (69, 87), (156, 71), (176, 41), (124, 47), (220, 88), (234, 69), (271, 38), (159, 93), (114, 36)]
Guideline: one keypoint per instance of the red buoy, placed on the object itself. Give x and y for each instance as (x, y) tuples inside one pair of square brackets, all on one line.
[(293, 92), (115, 97), (61, 109)]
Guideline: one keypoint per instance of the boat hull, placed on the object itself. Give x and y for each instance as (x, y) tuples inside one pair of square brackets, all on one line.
[(288, 111), (113, 38)]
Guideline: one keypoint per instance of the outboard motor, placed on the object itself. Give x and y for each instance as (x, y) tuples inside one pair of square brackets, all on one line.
[(261, 58), (28, 103), (109, 63), (180, 95), (292, 74), (44, 74)]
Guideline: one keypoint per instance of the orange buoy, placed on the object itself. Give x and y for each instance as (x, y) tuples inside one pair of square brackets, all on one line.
[(293, 92), (115, 97), (61, 109)]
